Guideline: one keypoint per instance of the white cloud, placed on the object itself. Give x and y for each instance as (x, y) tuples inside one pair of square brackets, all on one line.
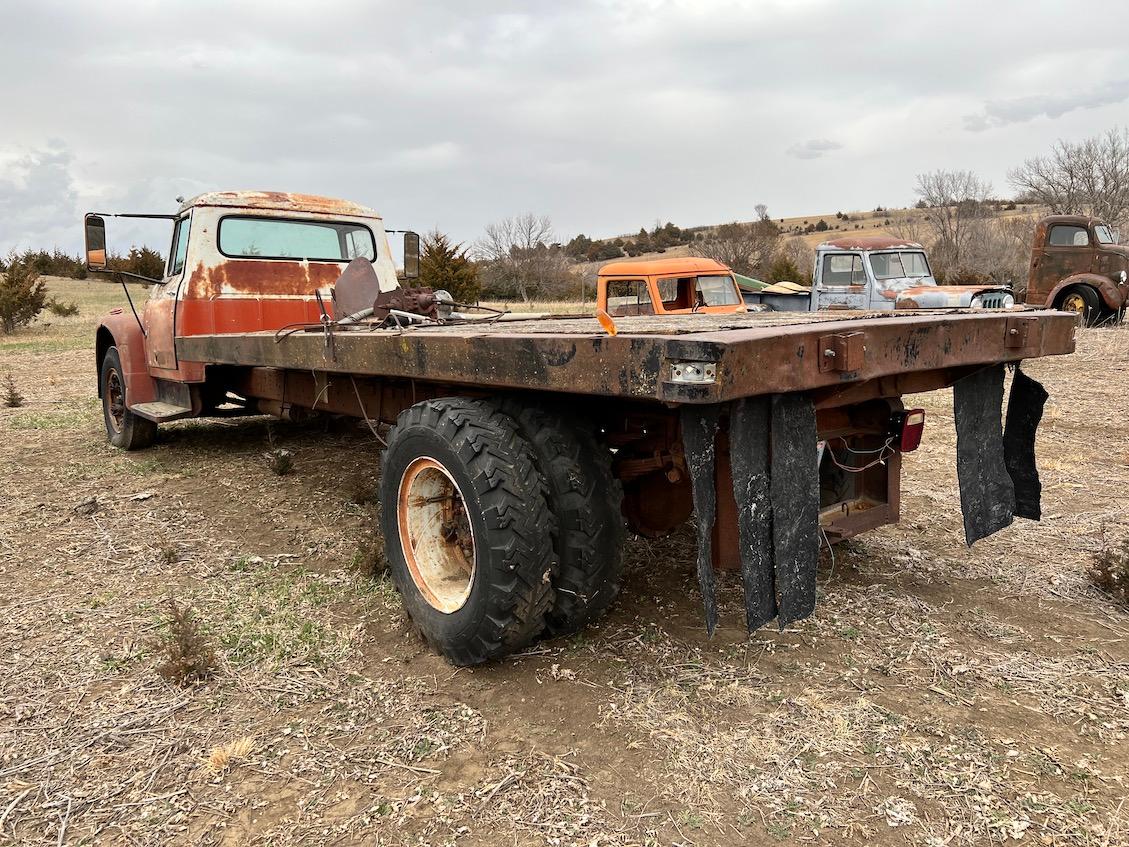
[(997, 113), (814, 148)]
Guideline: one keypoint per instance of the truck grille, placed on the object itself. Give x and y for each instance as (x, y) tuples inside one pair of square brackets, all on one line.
[(993, 299)]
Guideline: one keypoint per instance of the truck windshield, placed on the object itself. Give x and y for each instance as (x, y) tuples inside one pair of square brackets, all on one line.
[(1104, 235), (905, 265), (278, 238), (689, 291)]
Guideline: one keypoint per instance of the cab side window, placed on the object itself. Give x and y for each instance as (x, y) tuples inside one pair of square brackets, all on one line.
[(1064, 235), (843, 269), (629, 297), (179, 251)]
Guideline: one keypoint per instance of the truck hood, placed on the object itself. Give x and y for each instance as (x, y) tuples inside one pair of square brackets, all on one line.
[(946, 296)]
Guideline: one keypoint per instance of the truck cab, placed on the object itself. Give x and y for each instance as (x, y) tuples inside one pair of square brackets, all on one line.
[(667, 287), (238, 262), (1077, 266), (879, 272)]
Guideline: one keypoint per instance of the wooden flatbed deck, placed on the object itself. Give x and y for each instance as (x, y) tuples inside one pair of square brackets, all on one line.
[(754, 353)]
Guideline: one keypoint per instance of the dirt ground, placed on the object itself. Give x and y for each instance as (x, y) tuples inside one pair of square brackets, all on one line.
[(938, 696)]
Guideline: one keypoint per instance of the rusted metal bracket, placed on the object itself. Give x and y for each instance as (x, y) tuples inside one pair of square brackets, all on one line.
[(842, 353), (1016, 331)]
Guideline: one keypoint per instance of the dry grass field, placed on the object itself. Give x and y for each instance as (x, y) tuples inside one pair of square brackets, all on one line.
[(939, 695)]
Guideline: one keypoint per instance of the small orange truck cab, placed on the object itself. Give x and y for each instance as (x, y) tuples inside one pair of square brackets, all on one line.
[(667, 287)]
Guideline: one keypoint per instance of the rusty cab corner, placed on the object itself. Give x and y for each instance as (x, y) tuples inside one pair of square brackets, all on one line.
[(667, 287)]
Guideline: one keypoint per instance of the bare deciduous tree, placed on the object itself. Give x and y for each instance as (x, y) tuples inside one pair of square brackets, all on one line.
[(745, 248), (912, 227), (956, 199), (1089, 177), (520, 258)]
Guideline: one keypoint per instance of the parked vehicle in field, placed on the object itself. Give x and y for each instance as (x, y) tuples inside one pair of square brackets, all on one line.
[(1077, 266), (518, 451), (854, 272)]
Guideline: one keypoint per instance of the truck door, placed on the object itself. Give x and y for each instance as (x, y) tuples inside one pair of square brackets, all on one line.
[(160, 311), (841, 282), (1066, 252)]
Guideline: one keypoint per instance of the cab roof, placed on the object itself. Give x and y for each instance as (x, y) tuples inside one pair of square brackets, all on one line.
[(868, 242), (280, 201), (655, 267), (1080, 220)]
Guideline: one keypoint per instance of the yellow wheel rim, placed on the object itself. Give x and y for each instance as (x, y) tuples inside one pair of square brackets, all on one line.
[(1074, 303)]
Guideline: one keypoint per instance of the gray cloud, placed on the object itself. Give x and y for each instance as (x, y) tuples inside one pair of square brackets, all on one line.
[(997, 113), (813, 148), (603, 114)]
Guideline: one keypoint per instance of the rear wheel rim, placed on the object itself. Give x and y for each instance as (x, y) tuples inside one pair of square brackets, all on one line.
[(436, 535), (115, 401), (1074, 303)]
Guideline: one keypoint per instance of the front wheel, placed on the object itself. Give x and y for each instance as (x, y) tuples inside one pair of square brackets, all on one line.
[(124, 429), (468, 533), (1084, 301)]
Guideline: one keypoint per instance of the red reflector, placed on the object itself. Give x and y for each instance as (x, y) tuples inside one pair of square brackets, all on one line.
[(908, 425)]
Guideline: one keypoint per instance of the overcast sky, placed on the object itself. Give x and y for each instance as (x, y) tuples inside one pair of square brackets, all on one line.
[(605, 115)]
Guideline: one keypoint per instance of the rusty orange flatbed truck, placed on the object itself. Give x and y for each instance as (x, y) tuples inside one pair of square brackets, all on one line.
[(520, 450)]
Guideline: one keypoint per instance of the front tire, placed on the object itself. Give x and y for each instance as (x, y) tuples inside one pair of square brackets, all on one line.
[(468, 534), (124, 429), (1084, 301)]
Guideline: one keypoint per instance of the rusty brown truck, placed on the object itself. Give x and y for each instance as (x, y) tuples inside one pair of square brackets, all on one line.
[(520, 451), (1076, 265)]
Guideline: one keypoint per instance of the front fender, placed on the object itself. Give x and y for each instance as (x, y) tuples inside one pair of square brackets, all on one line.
[(1114, 296), (119, 329)]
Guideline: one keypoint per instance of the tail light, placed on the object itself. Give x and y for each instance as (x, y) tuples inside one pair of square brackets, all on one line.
[(906, 427)]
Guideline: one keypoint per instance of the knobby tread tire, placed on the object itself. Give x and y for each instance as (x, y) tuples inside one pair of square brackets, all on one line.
[(586, 498), (513, 528)]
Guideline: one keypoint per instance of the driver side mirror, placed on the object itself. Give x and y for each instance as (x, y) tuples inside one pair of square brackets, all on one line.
[(411, 255), (95, 227)]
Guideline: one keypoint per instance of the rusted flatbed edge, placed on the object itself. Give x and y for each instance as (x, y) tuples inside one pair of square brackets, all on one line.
[(750, 361)]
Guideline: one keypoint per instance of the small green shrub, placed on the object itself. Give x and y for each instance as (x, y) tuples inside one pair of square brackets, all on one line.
[(63, 310), (188, 655), (12, 398), (22, 293)]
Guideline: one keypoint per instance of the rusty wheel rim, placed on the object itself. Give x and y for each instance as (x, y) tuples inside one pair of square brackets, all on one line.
[(115, 401), (436, 535), (1074, 303)]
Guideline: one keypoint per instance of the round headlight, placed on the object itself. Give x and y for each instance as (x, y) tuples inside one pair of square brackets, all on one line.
[(1009, 301), (977, 302)]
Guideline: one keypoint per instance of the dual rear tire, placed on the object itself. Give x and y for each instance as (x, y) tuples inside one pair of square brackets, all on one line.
[(501, 524)]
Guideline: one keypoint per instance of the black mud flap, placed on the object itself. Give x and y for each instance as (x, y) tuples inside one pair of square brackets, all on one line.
[(987, 494), (1024, 412), (748, 458), (699, 438), (795, 495), (772, 446)]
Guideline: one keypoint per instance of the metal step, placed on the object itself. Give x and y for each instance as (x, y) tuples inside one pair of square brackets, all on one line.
[(160, 412)]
